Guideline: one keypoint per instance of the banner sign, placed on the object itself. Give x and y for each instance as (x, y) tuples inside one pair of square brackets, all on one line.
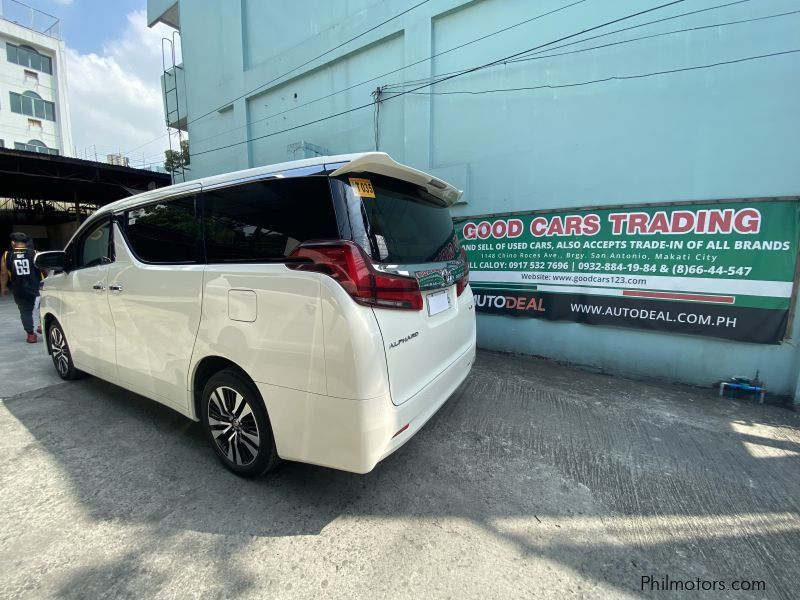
[(723, 269)]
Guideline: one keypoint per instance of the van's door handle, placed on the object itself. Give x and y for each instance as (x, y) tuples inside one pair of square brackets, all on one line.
[(99, 287), (115, 287)]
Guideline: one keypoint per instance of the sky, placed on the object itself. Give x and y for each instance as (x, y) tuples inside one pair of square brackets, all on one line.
[(113, 69)]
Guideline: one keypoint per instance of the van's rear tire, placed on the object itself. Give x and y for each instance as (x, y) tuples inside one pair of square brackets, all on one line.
[(237, 425)]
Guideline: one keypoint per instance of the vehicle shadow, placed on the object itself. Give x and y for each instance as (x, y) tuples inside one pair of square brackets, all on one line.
[(128, 457), (612, 479)]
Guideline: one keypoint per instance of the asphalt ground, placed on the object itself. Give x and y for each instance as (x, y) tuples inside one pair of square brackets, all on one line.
[(535, 480)]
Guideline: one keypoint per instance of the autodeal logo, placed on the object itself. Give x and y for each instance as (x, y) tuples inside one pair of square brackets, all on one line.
[(510, 302)]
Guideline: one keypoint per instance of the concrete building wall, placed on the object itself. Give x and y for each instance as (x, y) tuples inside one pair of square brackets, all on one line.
[(639, 116), (17, 128)]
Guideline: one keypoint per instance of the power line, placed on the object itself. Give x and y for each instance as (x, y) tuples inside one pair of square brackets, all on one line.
[(628, 41), (678, 16), (655, 35), (481, 38), (153, 141), (611, 78), (604, 79), (289, 72), (472, 70), (535, 56), (413, 82), (308, 62), (686, 14), (392, 72)]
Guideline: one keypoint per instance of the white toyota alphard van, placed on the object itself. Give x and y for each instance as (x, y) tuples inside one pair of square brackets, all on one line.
[(314, 311)]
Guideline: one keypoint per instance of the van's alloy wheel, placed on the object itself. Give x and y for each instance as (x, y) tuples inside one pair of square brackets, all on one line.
[(233, 425), (237, 424), (59, 351)]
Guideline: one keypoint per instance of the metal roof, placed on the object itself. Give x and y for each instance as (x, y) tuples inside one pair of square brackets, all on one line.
[(35, 176)]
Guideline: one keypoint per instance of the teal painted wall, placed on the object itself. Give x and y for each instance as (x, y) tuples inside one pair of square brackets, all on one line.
[(729, 131)]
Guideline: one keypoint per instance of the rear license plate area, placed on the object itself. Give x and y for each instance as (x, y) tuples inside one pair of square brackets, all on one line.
[(438, 302)]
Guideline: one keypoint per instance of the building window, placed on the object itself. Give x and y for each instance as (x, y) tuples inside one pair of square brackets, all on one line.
[(36, 146), (28, 57), (34, 123), (31, 75), (2, 143), (31, 104)]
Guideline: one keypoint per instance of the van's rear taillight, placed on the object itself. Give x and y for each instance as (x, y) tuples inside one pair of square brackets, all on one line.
[(461, 284), (349, 265)]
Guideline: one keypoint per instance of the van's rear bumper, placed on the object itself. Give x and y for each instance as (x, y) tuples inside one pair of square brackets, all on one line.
[(416, 411), (354, 435)]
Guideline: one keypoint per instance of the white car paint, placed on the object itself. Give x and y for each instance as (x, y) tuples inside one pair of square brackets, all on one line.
[(156, 317)]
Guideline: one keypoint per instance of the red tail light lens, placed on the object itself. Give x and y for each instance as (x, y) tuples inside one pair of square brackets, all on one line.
[(347, 263), (461, 284)]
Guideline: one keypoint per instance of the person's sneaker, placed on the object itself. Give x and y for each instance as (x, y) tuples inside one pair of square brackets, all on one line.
[(39, 329), (32, 339)]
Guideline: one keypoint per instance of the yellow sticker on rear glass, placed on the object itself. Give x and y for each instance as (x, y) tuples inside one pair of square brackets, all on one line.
[(362, 187)]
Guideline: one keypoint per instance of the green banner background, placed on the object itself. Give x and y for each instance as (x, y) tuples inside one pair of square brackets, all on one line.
[(732, 259)]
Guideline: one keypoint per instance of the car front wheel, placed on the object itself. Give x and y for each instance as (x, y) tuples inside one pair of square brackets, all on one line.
[(59, 352)]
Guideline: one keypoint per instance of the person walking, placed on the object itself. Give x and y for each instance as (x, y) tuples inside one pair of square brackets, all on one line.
[(17, 268), (36, 318)]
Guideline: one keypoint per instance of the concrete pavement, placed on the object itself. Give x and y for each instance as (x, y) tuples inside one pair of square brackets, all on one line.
[(23, 366), (535, 481)]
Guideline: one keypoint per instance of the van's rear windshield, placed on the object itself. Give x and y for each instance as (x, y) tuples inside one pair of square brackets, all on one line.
[(397, 222)]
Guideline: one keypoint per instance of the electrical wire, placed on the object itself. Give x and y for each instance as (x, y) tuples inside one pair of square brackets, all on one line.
[(472, 70), (686, 14), (655, 35), (481, 38), (308, 62), (628, 41), (611, 78), (536, 56), (392, 72), (645, 24), (293, 70)]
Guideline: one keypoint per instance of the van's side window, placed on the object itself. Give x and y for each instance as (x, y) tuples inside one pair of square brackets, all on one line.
[(266, 220), (165, 232), (94, 248)]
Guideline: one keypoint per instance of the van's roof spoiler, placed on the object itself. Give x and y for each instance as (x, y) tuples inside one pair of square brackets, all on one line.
[(382, 164)]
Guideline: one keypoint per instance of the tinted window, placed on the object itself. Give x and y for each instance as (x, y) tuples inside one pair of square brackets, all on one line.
[(397, 222), (94, 248), (266, 220), (166, 232)]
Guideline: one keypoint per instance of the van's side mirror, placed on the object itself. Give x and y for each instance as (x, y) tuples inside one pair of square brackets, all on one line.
[(52, 261)]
